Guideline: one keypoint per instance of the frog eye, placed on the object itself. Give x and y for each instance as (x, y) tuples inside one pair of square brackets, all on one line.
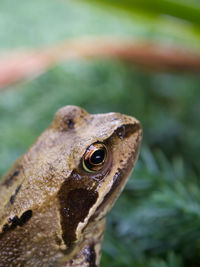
[(94, 157)]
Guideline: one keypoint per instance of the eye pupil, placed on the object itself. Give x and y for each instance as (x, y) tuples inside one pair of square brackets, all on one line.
[(98, 156)]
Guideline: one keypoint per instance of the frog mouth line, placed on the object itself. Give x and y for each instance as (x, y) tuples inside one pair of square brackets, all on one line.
[(119, 179), (114, 191)]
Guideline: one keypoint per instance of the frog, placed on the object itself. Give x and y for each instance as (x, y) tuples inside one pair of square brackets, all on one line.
[(55, 198)]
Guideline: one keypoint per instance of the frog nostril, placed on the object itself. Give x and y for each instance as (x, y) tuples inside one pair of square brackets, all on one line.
[(126, 130), (121, 131)]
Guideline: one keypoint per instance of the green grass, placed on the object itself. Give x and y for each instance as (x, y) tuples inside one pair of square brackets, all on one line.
[(156, 221)]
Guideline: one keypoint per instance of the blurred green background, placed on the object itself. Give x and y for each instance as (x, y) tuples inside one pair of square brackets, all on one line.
[(156, 221)]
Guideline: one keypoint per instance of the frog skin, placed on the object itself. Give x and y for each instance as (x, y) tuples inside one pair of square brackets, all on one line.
[(54, 199)]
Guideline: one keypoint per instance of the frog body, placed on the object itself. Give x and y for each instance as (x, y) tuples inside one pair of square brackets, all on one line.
[(54, 199)]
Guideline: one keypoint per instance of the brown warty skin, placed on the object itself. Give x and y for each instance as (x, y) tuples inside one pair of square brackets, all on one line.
[(54, 199)]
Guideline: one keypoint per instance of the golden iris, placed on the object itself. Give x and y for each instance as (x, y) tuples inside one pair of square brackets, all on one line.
[(95, 157)]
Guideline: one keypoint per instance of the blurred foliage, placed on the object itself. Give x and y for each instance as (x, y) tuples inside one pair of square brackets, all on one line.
[(183, 9), (156, 221), (45, 22)]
